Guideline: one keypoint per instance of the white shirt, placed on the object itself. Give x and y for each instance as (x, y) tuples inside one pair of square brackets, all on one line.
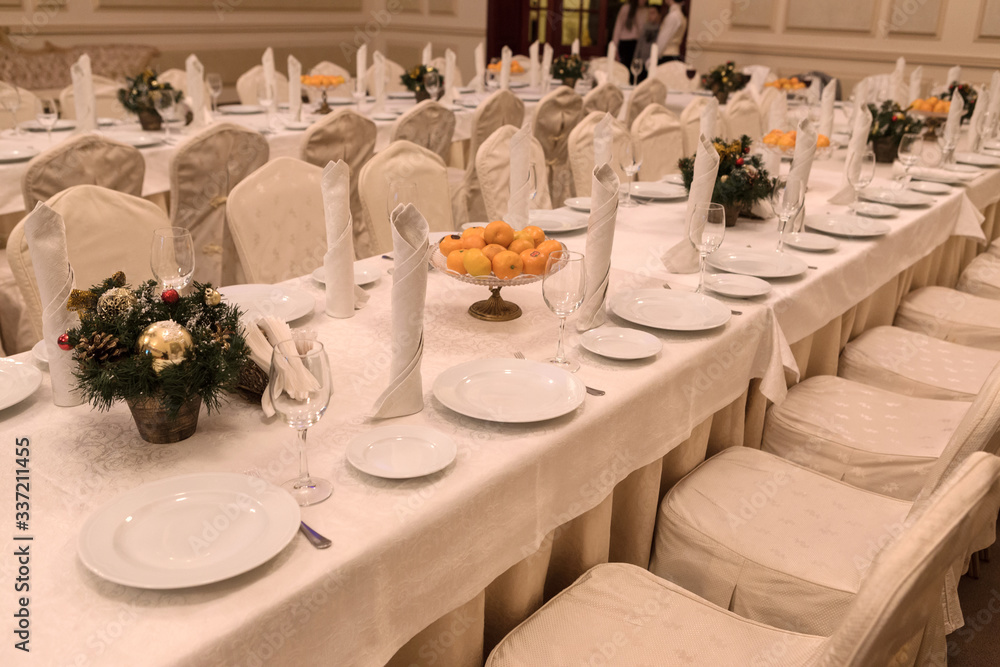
[(672, 22), (622, 31)]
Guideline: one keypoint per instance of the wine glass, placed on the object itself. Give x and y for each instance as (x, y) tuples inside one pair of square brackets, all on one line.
[(165, 105), (860, 172), (985, 129), (911, 147), (359, 96), (399, 192), (564, 285), (636, 67), (631, 161), (47, 114), (706, 229), (432, 84), (300, 390), (786, 201), (10, 100), (215, 88), (171, 257), (266, 95)]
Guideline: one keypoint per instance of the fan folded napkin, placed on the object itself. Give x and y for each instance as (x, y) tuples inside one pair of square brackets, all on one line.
[(826, 108), (534, 68), (342, 295), (683, 258), (427, 54), (802, 161), (195, 76), (600, 238), (517, 207), (405, 393), (294, 88), (361, 70), (267, 62), (479, 83), (916, 81), (953, 125), (84, 99), (379, 60), (855, 146), (505, 58), (546, 67)]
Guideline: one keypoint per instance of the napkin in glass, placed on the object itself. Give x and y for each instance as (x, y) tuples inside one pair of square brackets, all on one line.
[(709, 119), (84, 99), (826, 109), (654, 59), (520, 150), (195, 75), (683, 258), (609, 64), (574, 49), (405, 393), (778, 113), (450, 85), (546, 67), (262, 334), (897, 90), (294, 88), (953, 125), (858, 143), (45, 233), (379, 81), (267, 62), (427, 54), (342, 295), (361, 70), (802, 161), (982, 104), (534, 71), (600, 238), (479, 83), (505, 58), (916, 81)]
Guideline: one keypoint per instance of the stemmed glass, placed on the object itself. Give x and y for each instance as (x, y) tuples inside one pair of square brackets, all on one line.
[(631, 161), (359, 96), (706, 229), (786, 201), (171, 257), (432, 84), (300, 390), (10, 100), (564, 285), (215, 88), (911, 147), (636, 67), (399, 192), (860, 172), (47, 114), (165, 105), (265, 97), (986, 130)]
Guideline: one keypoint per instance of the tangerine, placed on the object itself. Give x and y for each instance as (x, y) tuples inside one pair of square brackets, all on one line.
[(536, 234), (507, 265), (519, 245), (456, 261), (473, 241), (492, 250), (534, 262), (499, 232), (549, 246), (480, 231), (449, 243)]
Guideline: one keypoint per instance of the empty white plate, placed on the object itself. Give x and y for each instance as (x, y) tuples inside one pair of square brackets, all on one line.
[(658, 191), (621, 343), (929, 187), (137, 139), (18, 381), (401, 451), (578, 203), (60, 126), (241, 109), (402, 95), (760, 264), (896, 197), (363, 274), (557, 220), (676, 179), (811, 242), (384, 115), (285, 303), (977, 159), (297, 125), (18, 154), (849, 226), (873, 210), (736, 285), (671, 310)]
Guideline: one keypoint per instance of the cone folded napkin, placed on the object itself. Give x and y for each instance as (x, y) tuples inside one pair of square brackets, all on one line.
[(361, 70), (546, 67), (916, 80), (517, 207), (709, 119), (802, 162), (505, 58), (953, 125), (534, 68), (294, 88), (857, 145), (83, 95), (342, 295), (427, 55), (449, 83), (826, 109), (600, 239), (267, 62), (682, 258), (379, 81), (479, 84), (195, 75)]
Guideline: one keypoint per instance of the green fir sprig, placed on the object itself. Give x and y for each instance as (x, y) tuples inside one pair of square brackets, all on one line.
[(742, 179)]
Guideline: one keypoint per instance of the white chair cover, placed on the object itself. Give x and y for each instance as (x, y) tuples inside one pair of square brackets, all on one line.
[(658, 131), (106, 231), (261, 207), (327, 68), (393, 81), (501, 108), (606, 97), (405, 161), (203, 172), (951, 315), (581, 151), (348, 136), (743, 117), (428, 124), (88, 159), (555, 117), (674, 75), (650, 91), (620, 74), (106, 93), (981, 277), (25, 112), (691, 124), (246, 85), (493, 169)]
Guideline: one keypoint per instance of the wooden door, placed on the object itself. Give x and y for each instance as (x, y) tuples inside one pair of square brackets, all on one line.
[(556, 22)]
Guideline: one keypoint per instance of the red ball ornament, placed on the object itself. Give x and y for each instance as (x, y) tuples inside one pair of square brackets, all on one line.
[(746, 150), (739, 162), (170, 296), (63, 341)]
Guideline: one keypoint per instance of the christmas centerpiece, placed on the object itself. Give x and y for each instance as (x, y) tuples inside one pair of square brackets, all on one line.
[(162, 353), (969, 96), (140, 97), (723, 80), (742, 180), (569, 69), (889, 124), (415, 80), (322, 83)]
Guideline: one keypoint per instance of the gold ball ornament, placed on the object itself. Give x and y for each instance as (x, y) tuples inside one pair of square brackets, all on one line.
[(115, 302), (167, 342), (212, 297)]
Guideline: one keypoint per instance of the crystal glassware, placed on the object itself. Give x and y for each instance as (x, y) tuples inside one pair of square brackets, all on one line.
[(911, 147), (631, 161), (564, 285), (165, 105), (171, 257), (266, 96), (47, 114), (636, 67), (860, 173), (432, 84), (786, 201), (706, 230), (214, 81)]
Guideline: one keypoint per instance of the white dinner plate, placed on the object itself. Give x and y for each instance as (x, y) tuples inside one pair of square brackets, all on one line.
[(241, 109), (384, 115), (621, 343), (977, 159), (811, 242), (676, 179), (188, 530), (964, 169), (849, 226), (736, 285), (61, 125), (340, 101), (401, 451), (297, 125), (578, 203), (363, 274), (402, 95), (658, 191), (17, 154), (558, 220), (671, 310), (514, 85), (873, 210), (510, 391), (137, 139), (286, 303), (759, 264), (40, 353), (530, 97), (18, 381), (993, 144), (929, 187), (896, 197), (107, 122)]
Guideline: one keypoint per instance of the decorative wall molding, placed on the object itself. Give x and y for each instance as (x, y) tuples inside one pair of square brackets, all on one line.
[(755, 14), (907, 17), (828, 15), (913, 57), (229, 6), (989, 20)]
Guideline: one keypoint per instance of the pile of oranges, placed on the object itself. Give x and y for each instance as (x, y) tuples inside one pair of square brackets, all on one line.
[(499, 250), (787, 84), (321, 81), (515, 67), (786, 140), (931, 105)]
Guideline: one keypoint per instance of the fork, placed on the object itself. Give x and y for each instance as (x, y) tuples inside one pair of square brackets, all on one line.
[(590, 390)]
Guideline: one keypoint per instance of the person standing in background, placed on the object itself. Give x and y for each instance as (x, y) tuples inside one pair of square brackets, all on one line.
[(647, 37), (671, 32), (628, 28)]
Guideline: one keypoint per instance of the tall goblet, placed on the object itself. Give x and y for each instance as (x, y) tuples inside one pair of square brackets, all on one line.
[(564, 285), (911, 147), (786, 201), (636, 67), (215, 88), (860, 173), (47, 114), (171, 257), (631, 161), (165, 104), (706, 230)]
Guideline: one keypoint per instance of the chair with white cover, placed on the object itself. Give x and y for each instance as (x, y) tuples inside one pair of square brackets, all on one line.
[(427, 124), (248, 84), (257, 213), (606, 97), (493, 168), (743, 117), (500, 108), (627, 616), (951, 315), (658, 130), (87, 159), (674, 75), (650, 91), (691, 124), (327, 68), (203, 172), (106, 94), (555, 117), (26, 107), (393, 81), (404, 161), (106, 231), (441, 65), (581, 151), (620, 76), (982, 276), (345, 135)]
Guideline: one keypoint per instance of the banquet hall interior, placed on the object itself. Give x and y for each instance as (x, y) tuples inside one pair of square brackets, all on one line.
[(500, 332)]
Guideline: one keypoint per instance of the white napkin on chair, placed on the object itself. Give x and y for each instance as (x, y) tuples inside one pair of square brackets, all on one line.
[(505, 57), (294, 88), (600, 238), (361, 70), (826, 108), (267, 62), (195, 74), (427, 55), (379, 81), (602, 141), (916, 81), (982, 104), (534, 67), (479, 83), (683, 258), (83, 95), (546, 67), (342, 295), (802, 161), (517, 206), (405, 393), (856, 145), (897, 89), (709, 119), (953, 125), (654, 59), (954, 74), (45, 232), (574, 49), (778, 113), (609, 64)]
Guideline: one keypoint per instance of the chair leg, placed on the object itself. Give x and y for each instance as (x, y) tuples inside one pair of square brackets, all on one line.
[(984, 555), (974, 566)]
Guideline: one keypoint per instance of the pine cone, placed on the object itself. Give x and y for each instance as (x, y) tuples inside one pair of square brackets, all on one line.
[(101, 347), (222, 336)]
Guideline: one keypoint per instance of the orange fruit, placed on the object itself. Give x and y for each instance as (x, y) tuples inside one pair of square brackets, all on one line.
[(456, 261), (449, 243), (822, 141), (787, 141), (499, 232), (492, 250), (549, 246), (536, 233), (507, 265), (520, 245), (534, 262), (473, 241), (479, 231), (476, 262)]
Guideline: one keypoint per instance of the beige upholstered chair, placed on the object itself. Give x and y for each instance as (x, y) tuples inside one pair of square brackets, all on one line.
[(203, 172), (982, 276), (658, 131), (691, 124), (441, 64), (493, 168), (246, 85), (624, 615), (345, 135), (276, 219), (555, 117), (743, 117), (405, 161), (106, 231), (106, 92), (393, 82), (650, 91), (620, 76), (951, 315), (674, 76), (501, 108), (581, 151), (428, 124), (26, 110), (606, 97), (327, 68), (87, 159)]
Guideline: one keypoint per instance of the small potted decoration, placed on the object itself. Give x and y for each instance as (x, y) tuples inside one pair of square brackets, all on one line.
[(140, 97), (414, 80), (742, 180), (322, 83), (889, 124), (161, 353), (723, 80), (969, 96), (569, 69)]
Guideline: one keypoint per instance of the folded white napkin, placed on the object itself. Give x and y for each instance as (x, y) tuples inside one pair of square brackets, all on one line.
[(856, 145), (609, 64), (954, 74), (267, 62), (916, 81), (778, 113), (654, 60), (546, 67), (479, 83), (361, 70), (826, 108), (709, 119), (802, 161), (294, 88), (815, 90), (994, 106), (342, 295), (380, 94), (574, 49), (195, 76), (405, 393), (600, 238), (939, 174), (505, 57), (520, 151), (897, 89), (953, 125), (262, 335), (427, 54), (982, 104), (758, 77), (534, 67), (602, 141), (450, 84), (84, 99), (45, 233), (683, 258)]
